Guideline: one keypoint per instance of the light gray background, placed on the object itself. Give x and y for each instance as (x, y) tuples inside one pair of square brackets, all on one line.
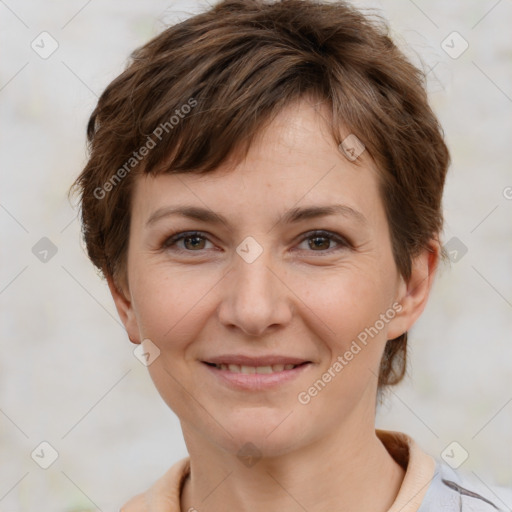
[(68, 374)]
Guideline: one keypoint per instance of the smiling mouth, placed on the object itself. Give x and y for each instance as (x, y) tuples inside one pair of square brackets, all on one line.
[(236, 368)]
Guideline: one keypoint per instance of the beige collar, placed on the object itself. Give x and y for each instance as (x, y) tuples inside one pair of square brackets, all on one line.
[(419, 473), (419, 466)]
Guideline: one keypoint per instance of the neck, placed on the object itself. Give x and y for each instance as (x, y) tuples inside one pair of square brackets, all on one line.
[(347, 472)]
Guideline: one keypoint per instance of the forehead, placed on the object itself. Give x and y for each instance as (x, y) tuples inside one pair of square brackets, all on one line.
[(293, 162)]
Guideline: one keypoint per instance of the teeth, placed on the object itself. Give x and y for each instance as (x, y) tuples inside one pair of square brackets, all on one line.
[(235, 368), (264, 369)]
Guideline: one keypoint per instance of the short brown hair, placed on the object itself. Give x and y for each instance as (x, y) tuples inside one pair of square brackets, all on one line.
[(223, 74)]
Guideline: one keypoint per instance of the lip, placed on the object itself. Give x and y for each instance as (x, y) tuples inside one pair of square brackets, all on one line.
[(243, 360), (255, 381)]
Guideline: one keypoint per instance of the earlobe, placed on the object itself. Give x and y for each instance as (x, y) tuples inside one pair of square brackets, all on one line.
[(125, 310), (413, 294)]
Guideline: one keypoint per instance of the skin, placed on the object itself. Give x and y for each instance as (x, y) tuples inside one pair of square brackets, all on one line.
[(295, 299)]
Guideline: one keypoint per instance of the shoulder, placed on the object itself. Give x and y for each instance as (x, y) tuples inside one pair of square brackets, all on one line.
[(164, 494), (458, 491)]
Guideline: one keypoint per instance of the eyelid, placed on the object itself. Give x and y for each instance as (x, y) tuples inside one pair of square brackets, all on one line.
[(330, 235), (171, 239), (343, 244), (342, 241)]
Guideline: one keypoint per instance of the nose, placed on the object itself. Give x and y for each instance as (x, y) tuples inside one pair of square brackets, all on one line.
[(255, 298)]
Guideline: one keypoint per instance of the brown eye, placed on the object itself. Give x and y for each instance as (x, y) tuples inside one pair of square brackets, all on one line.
[(192, 241), (320, 241)]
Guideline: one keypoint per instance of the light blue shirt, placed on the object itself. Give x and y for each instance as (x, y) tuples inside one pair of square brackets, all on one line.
[(456, 491)]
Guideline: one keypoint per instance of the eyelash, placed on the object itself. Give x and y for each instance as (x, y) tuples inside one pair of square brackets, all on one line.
[(176, 237)]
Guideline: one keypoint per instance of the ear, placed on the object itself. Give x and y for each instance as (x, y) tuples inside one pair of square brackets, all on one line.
[(125, 310), (413, 294)]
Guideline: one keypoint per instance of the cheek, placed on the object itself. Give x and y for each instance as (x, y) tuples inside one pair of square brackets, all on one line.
[(167, 305), (345, 300), (348, 305)]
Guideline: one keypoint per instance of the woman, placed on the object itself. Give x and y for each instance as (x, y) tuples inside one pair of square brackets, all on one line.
[(263, 196)]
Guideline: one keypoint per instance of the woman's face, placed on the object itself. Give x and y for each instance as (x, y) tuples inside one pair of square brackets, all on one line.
[(252, 313)]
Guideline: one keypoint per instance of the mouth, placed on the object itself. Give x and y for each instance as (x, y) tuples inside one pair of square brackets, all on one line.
[(247, 369), (255, 373)]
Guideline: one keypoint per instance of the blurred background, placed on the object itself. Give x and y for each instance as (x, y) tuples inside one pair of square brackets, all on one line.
[(68, 375)]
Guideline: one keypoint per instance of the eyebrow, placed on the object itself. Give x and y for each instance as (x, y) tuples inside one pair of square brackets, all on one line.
[(291, 216)]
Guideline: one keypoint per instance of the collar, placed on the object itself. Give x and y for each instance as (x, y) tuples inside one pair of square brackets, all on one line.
[(419, 471)]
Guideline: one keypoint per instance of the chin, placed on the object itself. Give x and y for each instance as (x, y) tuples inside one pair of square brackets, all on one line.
[(263, 432)]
